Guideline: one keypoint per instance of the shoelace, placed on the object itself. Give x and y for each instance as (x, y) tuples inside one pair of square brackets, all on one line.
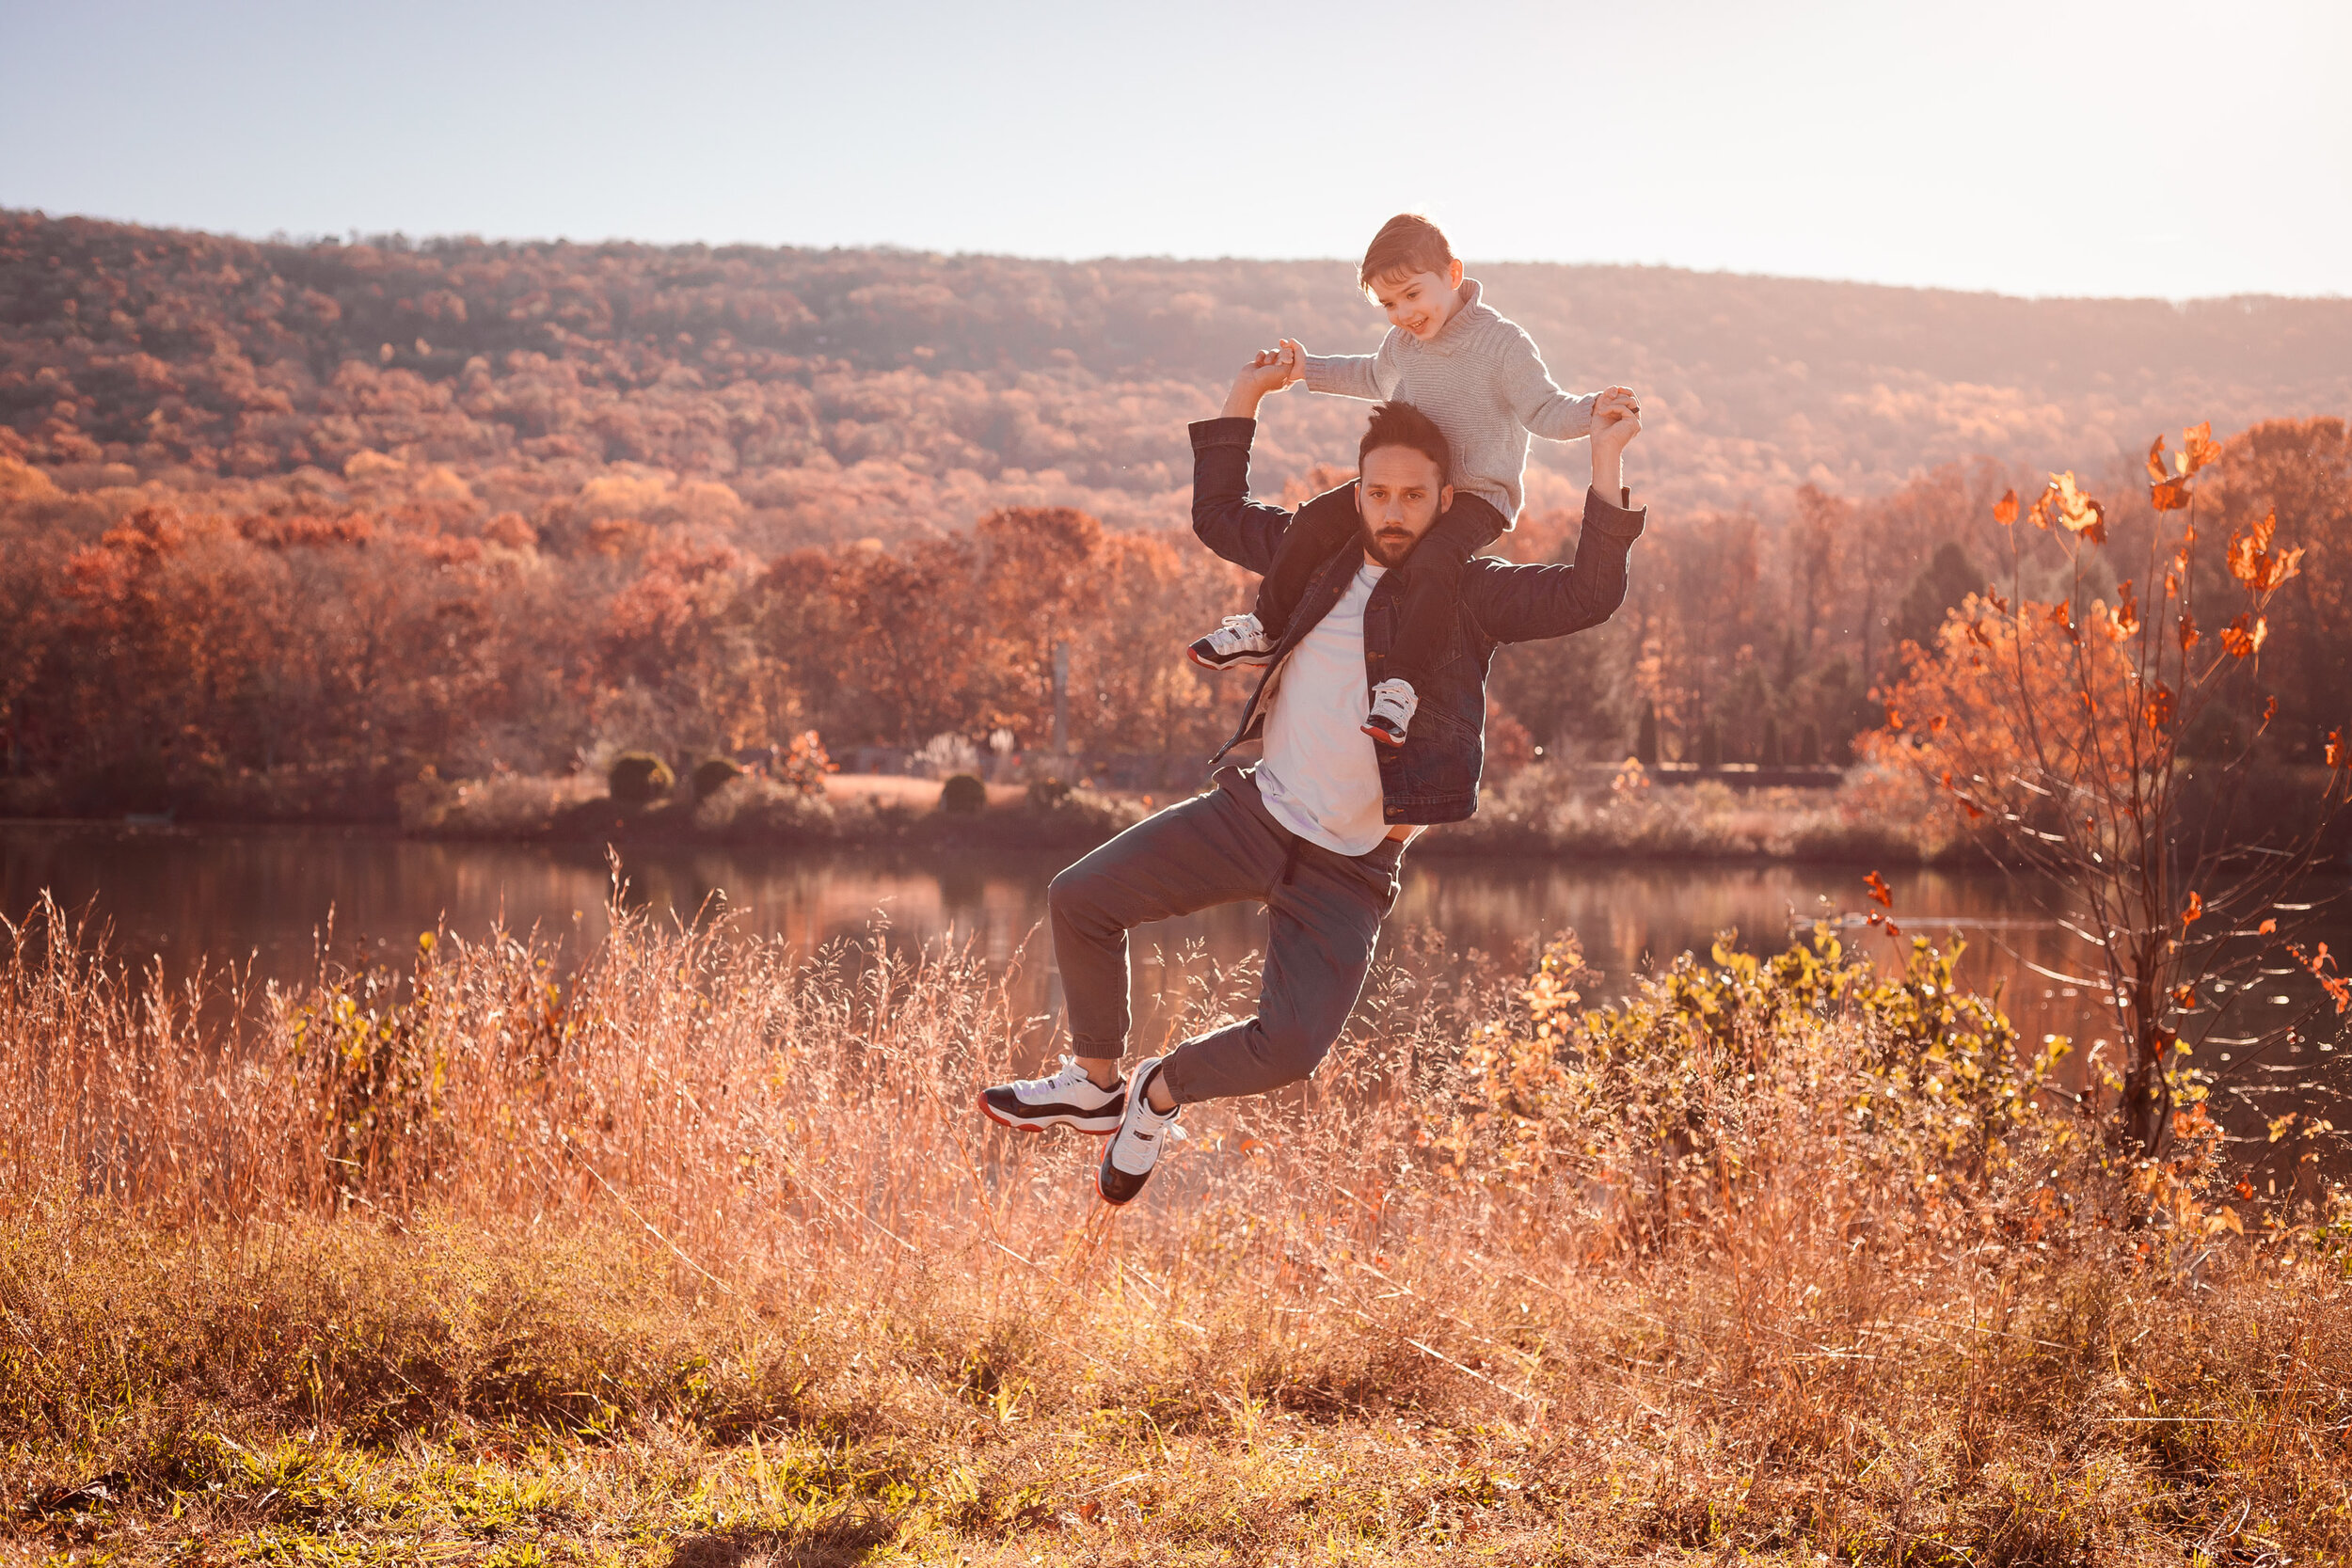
[(1168, 1124), (1066, 1077)]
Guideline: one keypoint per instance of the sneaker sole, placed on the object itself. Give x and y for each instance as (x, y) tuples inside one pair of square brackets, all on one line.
[(1383, 736), (1035, 1127), (1243, 661)]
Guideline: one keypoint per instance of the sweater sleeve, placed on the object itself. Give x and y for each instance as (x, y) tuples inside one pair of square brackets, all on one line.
[(1369, 376), (1542, 408)]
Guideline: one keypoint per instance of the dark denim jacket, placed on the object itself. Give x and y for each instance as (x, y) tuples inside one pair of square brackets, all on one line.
[(1434, 776)]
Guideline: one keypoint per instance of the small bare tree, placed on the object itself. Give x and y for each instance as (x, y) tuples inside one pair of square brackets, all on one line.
[(2107, 748)]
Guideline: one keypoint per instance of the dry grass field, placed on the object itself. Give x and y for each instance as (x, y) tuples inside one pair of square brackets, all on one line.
[(701, 1257)]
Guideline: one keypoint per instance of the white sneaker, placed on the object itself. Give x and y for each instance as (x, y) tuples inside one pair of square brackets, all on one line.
[(1143, 1133), (1068, 1099), (1241, 640), (1393, 705)]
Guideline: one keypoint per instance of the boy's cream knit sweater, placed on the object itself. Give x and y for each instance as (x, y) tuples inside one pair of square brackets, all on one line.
[(1480, 380)]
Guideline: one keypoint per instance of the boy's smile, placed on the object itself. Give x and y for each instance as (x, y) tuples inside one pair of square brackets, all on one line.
[(1423, 302)]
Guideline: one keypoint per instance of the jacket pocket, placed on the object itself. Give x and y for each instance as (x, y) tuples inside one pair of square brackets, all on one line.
[(1440, 760)]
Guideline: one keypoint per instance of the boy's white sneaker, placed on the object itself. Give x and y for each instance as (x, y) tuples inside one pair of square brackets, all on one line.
[(1393, 704), (1068, 1099), (1240, 641), (1143, 1135)]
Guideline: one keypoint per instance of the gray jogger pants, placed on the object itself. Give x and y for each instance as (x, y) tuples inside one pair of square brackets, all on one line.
[(1323, 916)]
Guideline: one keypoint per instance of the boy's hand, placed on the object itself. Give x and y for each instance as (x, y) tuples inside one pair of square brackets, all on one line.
[(1295, 359), (1266, 373), (1613, 404)]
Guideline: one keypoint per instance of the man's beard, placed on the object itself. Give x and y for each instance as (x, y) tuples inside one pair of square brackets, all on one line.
[(1392, 549)]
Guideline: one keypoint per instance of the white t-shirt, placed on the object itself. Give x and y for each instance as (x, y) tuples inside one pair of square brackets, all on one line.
[(1320, 776)]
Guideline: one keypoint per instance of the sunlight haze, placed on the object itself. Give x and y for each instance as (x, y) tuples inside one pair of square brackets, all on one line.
[(2105, 150)]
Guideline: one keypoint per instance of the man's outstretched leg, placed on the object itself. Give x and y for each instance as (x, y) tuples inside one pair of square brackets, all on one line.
[(1210, 850), (1323, 920)]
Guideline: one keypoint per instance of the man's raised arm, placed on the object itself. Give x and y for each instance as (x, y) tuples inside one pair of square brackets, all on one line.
[(1524, 604), (1243, 531)]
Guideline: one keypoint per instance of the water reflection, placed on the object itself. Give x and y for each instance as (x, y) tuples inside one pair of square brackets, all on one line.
[(182, 895)]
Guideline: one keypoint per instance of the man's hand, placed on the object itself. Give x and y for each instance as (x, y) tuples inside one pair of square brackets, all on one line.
[(1295, 359), (1269, 371), (1614, 423)]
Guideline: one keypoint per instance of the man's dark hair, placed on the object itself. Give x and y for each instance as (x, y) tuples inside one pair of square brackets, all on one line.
[(1401, 425)]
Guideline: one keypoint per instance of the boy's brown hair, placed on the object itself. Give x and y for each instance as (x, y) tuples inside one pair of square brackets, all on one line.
[(1406, 245)]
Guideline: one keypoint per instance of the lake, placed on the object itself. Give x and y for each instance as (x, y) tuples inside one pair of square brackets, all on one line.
[(266, 896)]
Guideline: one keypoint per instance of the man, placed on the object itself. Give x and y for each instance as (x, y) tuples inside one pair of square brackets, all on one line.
[(1317, 830)]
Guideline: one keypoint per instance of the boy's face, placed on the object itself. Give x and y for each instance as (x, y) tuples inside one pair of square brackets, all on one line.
[(1420, 302), (1399, 498)]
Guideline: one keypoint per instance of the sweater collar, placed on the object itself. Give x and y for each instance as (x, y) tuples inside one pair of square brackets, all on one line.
[(1457, 328)]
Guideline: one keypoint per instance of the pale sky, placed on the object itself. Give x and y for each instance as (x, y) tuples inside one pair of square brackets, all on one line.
[(2146, 148)]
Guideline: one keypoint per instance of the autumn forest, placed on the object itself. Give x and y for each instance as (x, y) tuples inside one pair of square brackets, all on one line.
[(284, 525)]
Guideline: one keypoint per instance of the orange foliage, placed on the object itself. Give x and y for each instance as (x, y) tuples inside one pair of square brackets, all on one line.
[(351, 509), (2060, 729)]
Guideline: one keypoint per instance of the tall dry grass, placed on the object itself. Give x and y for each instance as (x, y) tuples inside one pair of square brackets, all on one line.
[(701, 1249)]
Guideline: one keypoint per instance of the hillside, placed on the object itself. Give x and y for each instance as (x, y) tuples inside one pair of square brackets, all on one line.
[(814, 396), (286, 529)]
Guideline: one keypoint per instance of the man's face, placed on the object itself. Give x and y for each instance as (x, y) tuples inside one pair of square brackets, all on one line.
[(1420, 302), (1399, 496)]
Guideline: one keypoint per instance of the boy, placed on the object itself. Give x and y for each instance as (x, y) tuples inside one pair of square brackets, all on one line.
[(1477, 376)]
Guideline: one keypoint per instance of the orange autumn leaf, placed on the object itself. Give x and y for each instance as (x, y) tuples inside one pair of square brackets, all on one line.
[(2125, 621), (2339, 750), (2005, 509), (2243, 638), (2168, 495), (2160, 707), (2254, 563), (2194, 913), (2156, 461), (2198, 447), (2266, 927), (1881, 894), (2189, 631), (2338, 989), (2072, 507)]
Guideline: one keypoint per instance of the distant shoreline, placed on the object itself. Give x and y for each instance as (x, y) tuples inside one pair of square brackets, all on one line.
[(1578, 813), (1521, 816)]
